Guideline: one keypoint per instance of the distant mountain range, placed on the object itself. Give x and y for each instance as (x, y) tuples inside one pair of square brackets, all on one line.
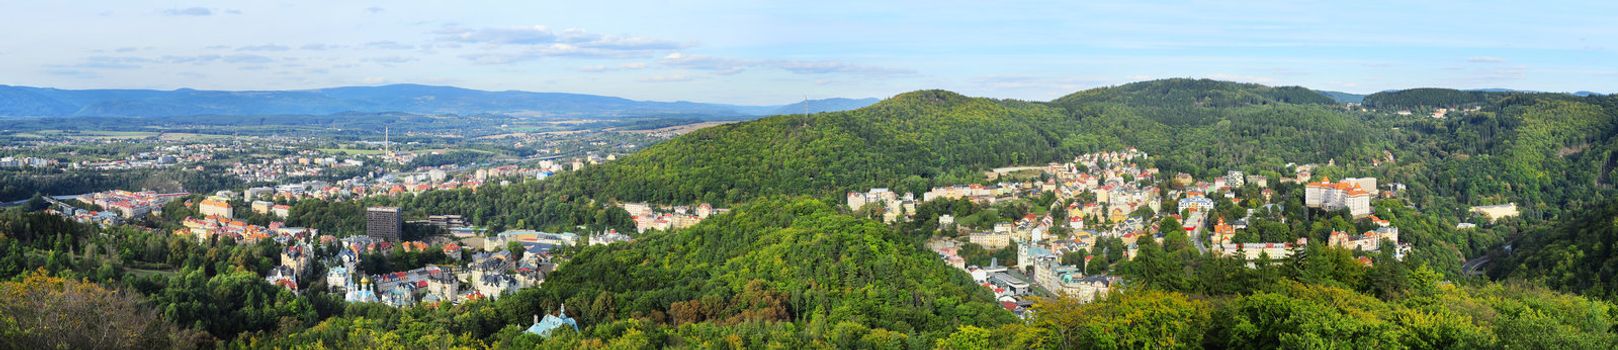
[(407, 98), (825, 105), (1580, 93), (1342, 97), (1347, 97)]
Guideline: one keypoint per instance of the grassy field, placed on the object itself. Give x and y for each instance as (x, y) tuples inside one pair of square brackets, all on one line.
[(117, 135), (350, 151), (447, 150), (180, 136), (94, 134)]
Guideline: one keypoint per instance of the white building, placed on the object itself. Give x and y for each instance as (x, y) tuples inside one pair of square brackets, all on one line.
[(1351, 194)]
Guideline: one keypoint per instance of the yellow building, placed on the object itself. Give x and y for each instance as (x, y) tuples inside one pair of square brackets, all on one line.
[(215, 206)]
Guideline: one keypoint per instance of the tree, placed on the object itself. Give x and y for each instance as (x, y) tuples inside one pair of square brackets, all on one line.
[(1132, 320), (36, 203), (42, 312)]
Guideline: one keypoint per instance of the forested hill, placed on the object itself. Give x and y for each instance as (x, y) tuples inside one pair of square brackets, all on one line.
[(924, 138), (913, 139), (1429, 97), (1452, 98), (1195, 93), (1575, 255), (768, 264)]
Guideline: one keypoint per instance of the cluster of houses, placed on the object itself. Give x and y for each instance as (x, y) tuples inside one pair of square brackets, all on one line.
[(168, 153), (130, 204), (893, 205), (648, 217), (27, 162), (209, 227), (304, 163), (1110, 195), (486, 269)]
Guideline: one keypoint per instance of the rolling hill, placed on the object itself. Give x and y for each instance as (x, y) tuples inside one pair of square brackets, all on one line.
[(918, 139), (407, 98)]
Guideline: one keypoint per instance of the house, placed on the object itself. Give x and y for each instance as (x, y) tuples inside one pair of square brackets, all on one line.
[(609, 237), (544, 327), (283, 276), (992, 240), (1369, 241), (1253, 251), (1223, 233), (1195, 201), (262, 207)]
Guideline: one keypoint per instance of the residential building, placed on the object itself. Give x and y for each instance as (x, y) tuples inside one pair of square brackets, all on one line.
[(1348, 194), (215, 206), (383, 223)]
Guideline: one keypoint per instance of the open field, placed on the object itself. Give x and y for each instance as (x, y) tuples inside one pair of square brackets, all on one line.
[(119, 135), (679, 129), (350, 151)]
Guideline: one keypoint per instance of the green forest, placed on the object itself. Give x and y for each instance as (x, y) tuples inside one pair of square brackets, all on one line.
[(789, 268)]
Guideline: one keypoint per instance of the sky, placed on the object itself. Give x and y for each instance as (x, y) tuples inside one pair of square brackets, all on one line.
[(776, 52)]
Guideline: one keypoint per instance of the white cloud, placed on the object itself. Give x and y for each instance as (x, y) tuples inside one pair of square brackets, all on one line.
[(267, 47), (533, 42), (320, 47), (1485, 59), (389, 60), (1035, 82), (722, 66), (189, 11), (726, 66), (671, 78), (613, 68), (388, 45), (246, 59), (836, 67)]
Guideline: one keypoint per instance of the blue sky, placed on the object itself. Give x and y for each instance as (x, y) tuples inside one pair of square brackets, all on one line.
[(770, 52)]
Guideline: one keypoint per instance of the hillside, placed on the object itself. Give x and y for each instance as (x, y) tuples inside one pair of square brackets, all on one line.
[(1431, 97), (1575, 255), (1203, 126), (1200, 127), (780, 260), (777, 273), (915, 138), (407, 98), (1196, 93)]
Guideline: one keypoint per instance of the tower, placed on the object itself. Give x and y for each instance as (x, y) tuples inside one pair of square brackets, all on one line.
[(386, 151)]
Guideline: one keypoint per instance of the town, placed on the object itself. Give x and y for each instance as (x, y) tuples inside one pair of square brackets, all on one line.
[(1109, 200)]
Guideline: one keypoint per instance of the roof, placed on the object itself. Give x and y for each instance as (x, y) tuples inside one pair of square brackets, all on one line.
[(543, 327)]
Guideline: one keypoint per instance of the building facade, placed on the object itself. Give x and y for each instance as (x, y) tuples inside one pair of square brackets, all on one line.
[(383, 223)]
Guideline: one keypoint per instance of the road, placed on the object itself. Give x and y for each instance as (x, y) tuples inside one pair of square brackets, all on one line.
[(21, 201), (1201, 242), (1473, 267)]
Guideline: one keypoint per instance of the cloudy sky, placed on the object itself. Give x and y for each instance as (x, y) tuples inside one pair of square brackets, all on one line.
[(770, 52)]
